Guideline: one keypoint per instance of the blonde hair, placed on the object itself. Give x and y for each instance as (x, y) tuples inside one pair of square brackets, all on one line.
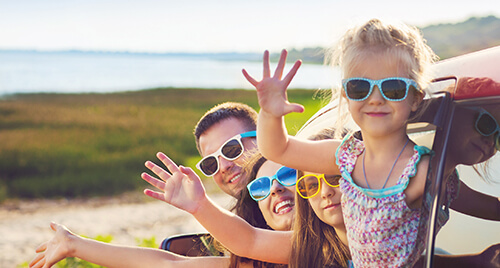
[(402, 41)]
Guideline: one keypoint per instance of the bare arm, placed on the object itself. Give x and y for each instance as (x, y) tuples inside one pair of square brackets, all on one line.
[(476, 204), (272, 137), (490, 257), (183, 189), (66, 244)]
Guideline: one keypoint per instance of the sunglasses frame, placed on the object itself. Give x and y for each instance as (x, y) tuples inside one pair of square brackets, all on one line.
[(482, 112), (271, 179), (409, 82), (218, 153), (318, 177)]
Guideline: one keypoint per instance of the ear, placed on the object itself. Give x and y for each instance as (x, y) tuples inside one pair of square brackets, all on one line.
[(418, 98)]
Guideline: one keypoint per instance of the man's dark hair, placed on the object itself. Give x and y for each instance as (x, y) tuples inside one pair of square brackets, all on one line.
[(246, 114)]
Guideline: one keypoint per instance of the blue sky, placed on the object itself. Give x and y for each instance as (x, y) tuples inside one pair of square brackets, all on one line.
[(208, 26)]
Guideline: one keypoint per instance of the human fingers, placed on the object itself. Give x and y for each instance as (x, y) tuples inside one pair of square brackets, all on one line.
[(267, 71), (154, 194), (288, 78), (153, 181), (294, 108), (249, 78), (281, 64), (41, 247), (171, 165), (159, 171), (189, 172), (54, 226), (37, 261)]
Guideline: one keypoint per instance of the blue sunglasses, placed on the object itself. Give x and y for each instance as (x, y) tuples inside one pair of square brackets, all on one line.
[(392, 88), (260, 188)]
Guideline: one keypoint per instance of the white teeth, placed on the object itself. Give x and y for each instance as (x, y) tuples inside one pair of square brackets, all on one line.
[(235, 178), (283, 204)]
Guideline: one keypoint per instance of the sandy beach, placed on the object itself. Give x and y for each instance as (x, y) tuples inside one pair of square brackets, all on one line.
[(24, 225)]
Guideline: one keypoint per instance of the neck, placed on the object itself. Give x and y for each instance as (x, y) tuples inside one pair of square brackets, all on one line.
[(342, 233), (384, 144)]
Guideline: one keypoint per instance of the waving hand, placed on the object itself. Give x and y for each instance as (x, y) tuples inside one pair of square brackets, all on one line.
[(271, 90), (181, 188)]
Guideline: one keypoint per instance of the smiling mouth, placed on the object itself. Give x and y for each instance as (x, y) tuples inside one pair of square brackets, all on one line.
[(332, 206), (284, 207), (235, 179), (376, 114), (479, 148)]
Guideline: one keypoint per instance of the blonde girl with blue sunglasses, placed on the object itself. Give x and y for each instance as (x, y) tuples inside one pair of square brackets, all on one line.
[(384, 73)]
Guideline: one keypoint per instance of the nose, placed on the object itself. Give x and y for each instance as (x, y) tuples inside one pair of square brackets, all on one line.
[(225, 165), (326, 190), (276, 187), (376, 96)]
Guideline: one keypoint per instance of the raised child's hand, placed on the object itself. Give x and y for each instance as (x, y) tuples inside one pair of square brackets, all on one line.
[(271, 91), (54, 250), (182, 188)]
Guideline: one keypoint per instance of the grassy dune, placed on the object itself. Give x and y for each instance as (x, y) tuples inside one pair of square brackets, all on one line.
[(73, 145)]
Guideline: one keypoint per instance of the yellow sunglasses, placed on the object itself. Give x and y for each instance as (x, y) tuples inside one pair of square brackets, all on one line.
[(309, 185)]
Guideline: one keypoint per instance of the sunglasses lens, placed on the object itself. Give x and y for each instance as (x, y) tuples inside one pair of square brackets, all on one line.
[(287, 176), (357, 89), (232, 149), (209, 165), (260, 188), (308, 186), (486, 124), (332, 180), (394, 89)]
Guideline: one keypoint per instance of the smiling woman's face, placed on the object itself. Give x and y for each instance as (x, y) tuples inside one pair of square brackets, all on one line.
[(468, 146), (278, 208), (326, 204)]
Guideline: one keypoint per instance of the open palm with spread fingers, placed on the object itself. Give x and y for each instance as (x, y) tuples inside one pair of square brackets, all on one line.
[(271, 90), (181, 188), (54, 250)]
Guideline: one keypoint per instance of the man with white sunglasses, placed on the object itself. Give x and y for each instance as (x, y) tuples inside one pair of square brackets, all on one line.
[(222, 136)]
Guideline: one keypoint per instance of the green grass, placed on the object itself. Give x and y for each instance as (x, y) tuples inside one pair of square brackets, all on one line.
[(77, 145)]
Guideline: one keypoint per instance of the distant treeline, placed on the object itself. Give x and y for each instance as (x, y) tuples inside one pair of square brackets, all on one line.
[(447, 40)]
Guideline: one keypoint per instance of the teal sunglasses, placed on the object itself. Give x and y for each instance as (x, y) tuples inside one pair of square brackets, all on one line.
[(260, 188), (486, 125), (392, 88)]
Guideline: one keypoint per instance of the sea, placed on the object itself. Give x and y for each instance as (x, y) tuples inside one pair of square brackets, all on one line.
[(103, 72)]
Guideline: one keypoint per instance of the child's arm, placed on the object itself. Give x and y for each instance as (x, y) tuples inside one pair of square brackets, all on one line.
[(66, 244), (476, 204), (183, 189), (272, 137), (415, 191)]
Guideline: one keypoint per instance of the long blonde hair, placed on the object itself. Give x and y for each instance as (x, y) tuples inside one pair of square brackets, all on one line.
[(315, 243)]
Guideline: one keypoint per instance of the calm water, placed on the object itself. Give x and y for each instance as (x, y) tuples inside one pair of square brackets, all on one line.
[(73, 72)]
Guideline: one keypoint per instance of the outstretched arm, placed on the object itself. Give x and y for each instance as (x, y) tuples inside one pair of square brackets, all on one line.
[(183, 189), (476, 204), (272, 137), (490, 257), (66, 244)]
